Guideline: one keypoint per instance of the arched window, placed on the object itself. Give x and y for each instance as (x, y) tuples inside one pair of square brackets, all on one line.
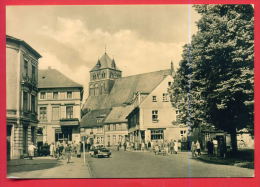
[(103, 74)]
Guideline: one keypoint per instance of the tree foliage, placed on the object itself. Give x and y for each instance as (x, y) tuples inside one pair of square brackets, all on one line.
[(214, 83)]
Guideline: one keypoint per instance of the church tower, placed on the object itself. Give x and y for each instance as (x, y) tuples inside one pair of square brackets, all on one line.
[(103, 75)]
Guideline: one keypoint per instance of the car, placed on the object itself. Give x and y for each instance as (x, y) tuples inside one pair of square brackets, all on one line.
[(100, 152)]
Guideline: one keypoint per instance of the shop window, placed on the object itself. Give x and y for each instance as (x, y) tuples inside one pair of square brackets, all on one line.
[(157, 134)]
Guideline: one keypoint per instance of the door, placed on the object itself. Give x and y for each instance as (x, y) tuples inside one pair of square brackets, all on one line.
[(8, 141), (25, 139)]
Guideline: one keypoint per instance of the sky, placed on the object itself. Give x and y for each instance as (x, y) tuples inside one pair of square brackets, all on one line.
[(141, 38)]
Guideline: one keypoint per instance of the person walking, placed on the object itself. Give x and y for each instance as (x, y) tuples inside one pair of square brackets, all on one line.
[(142, 146), (198, 147), (52, 150), (68, 151), (215, 145), (125, 146), (172, 147), (193, 149), (31, 149), (175, 147)]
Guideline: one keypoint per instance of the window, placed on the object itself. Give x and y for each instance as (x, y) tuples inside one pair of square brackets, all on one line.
[(165, 97), (33, 74), (169, 83), (69, 95), (55, 95), (43, 95), (55, 113), (26, 67), (43, 113), (33, 103), (154, 98), (114, 139), (69, 112), (25, 101), (113, 127), (155, 115), (157, 134), (183, 132), (99, 120)]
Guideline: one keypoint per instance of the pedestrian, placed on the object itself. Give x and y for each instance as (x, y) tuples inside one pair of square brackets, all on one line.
[(68, 151), (125, 146), (198, 147), (118, 146), (142, 146), (172, 147), (175, 147), (208, 147), (215, 145), (78, 150), (149, 145), (31, 149), (52, 150), (193, 149)]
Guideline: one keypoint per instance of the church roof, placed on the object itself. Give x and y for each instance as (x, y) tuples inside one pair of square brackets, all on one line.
[(52, 78), (124, 89), (105, 62), (119, 114), (91, 119)]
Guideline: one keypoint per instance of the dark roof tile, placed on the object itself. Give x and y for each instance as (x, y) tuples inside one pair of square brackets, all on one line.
[(51, 78)]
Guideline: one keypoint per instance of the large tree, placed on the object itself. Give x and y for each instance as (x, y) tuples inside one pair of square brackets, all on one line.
[(214, 83)]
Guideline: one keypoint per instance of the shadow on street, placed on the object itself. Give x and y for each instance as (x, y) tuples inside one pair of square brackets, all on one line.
[(32, 165)]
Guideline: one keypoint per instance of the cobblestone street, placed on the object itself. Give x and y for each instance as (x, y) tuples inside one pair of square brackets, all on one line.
[(124, 165)]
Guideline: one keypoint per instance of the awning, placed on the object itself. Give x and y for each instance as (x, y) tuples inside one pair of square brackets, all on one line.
[(69, 122)]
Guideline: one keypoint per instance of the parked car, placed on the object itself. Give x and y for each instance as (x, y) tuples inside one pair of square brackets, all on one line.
[(100, 152)]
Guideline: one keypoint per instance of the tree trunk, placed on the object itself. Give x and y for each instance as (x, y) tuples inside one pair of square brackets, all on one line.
[(233, 134)]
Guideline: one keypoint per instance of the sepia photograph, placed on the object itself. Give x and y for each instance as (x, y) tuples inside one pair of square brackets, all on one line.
[(130, 91)]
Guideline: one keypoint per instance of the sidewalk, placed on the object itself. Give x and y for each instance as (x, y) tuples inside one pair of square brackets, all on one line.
[(47, 167), (245, 160)]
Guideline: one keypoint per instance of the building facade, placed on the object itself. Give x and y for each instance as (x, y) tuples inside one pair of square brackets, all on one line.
[(59, 107), (116, 126), (137, 107), (153, 119), (21, 95)]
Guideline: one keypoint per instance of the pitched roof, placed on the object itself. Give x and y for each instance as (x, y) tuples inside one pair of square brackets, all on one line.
[(52, 78), (119, 114), (105, 62), (125, 88), (91, 119), (22, 42)]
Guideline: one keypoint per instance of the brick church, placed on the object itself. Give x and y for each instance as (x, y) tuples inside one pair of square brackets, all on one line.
[(134, 108)]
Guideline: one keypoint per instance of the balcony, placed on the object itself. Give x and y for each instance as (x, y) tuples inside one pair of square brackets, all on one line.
[(28, 81)]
